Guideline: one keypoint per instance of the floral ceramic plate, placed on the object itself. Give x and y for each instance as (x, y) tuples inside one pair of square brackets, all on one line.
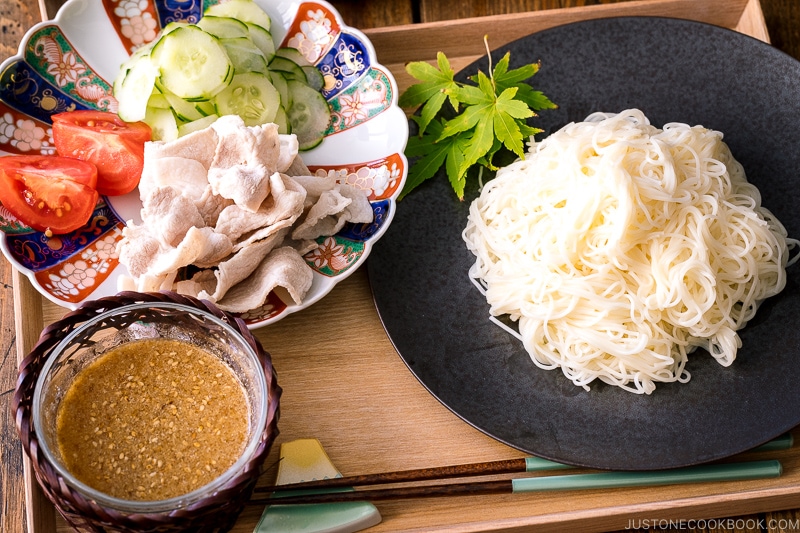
[(70, 62)]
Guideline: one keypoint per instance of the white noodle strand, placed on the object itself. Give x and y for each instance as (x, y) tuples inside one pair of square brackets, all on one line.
[(620, 248)]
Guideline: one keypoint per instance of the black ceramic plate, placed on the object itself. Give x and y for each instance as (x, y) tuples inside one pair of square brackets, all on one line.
[(674, 71)]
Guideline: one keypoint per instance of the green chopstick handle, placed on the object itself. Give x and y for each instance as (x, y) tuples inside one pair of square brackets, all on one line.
[(783, 442), (535, 464), (691, 474)]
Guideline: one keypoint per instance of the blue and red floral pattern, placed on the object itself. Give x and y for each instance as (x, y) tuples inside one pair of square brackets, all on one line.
[(57, 71)]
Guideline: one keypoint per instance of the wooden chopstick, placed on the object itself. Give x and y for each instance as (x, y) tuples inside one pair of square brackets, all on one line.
[(507, 466), (693, 474)]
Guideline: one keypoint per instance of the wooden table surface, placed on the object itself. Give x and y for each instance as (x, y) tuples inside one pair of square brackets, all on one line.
[(782, 21)]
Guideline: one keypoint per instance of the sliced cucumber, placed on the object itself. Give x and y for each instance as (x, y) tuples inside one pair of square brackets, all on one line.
[(262, 39), (244, 10), (314, 78), (195, 125), (172, 26), (294, 55), (194, 65), (184, 111), (282, 120), (291, 69), (279, 82), (226, 64), (251, 96), (129, 63), (142, 51), (162, 123), (135, 87), (205, 108), (309, 115), (158, 100), (244, 55), (223, 27)]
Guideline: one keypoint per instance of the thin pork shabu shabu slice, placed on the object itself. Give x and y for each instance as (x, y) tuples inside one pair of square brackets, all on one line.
[(237, 205)]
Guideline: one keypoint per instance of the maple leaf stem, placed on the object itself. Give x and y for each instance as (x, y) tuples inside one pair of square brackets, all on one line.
[(489, 55)]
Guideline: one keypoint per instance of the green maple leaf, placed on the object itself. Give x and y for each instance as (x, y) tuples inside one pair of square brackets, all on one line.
[(536, 100), (455, 162), (487, 161), (490, 115), (506, 79), (436, 85), (507, 125), (432, 154), (529, 131)]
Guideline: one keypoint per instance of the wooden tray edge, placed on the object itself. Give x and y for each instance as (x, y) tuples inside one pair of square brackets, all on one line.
[(619, 517), (744, 16), (752, 22), (413, 42), (462, 40), (28, 324)]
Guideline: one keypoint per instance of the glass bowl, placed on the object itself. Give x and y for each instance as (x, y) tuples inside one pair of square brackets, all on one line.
[(82, 337)]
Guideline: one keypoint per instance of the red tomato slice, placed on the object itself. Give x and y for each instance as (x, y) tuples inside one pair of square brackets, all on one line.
[(114, 146), (48, 192)]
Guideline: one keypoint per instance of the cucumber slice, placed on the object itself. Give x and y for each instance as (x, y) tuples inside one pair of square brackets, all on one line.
[(223, 27), (196, 125), (294, 55), (309, 114), (205, 108), (279, 82), (244, 10), (140, 52), (129, 63), (158, 100), (251, 96), (172, 26), (162, 123), (184, 111), (194, 65), (282, 120), (314, 78), (291, 69), (135, 87), (262, 39), (244, 55)]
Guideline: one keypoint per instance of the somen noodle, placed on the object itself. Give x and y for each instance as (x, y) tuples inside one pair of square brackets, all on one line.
[(620, 248)]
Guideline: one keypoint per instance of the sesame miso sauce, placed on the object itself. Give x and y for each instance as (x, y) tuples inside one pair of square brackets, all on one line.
[(152, 419)]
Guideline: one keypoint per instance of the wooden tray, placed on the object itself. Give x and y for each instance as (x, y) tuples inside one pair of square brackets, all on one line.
[(345, 384)]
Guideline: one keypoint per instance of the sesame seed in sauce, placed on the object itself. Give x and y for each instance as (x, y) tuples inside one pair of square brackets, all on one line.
[(153, 373)]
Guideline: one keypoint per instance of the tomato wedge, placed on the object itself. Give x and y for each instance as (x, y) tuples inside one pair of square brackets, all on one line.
[(116, 147), (48, 193)]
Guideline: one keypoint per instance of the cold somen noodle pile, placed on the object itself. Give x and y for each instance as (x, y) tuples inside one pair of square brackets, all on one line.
[(620, 248)]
